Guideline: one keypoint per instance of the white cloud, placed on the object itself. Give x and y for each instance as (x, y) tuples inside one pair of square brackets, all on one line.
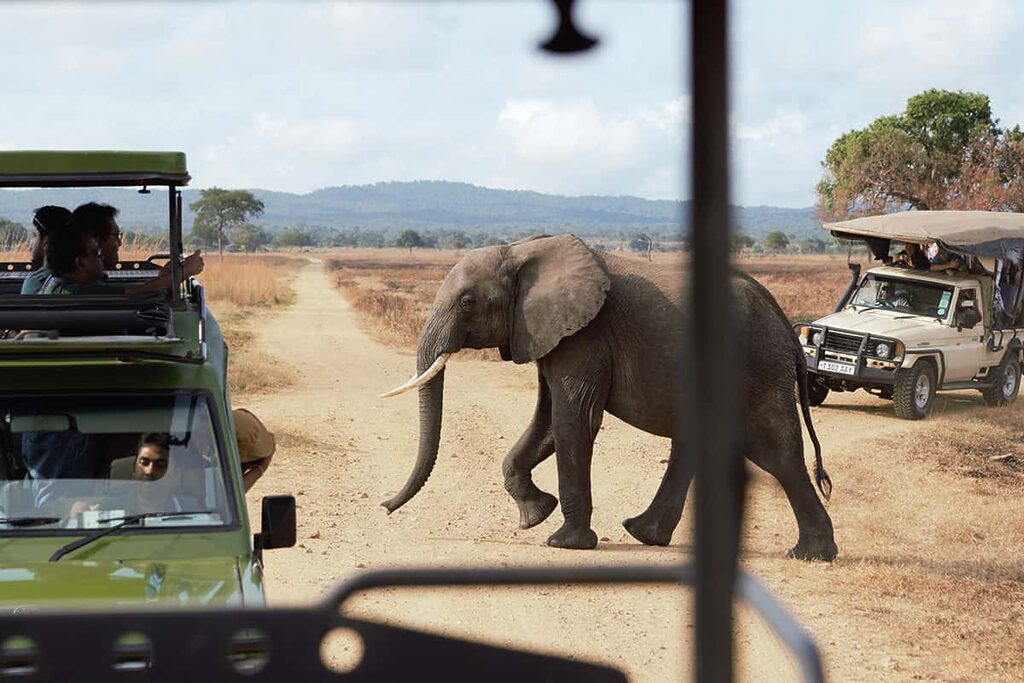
[(782, 127)]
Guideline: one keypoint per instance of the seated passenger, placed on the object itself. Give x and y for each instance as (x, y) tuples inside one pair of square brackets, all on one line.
[(47, 220), (912, 256), (75, 258), (947, 262), (49, 456), (160, 486)]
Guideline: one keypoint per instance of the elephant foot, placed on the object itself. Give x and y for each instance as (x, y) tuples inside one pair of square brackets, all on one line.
[(647, 531), (573, 537), (533, 511), (814, 548)]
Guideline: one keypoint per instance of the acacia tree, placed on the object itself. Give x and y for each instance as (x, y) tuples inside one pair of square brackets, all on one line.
[(218, 211), (944, 151), (410, 239)]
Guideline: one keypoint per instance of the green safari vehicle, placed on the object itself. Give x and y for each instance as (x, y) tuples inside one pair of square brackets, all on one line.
[(78, 524)]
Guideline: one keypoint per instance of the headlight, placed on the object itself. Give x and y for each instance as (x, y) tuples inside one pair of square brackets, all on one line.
[(817, 339), (883, 350)]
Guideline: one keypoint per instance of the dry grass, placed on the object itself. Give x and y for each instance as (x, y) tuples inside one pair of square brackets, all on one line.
[(807, 287), (244, 280), (240, 289), (393, 291)]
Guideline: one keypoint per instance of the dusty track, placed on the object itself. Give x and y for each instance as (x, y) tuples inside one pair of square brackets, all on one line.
[(342, 451)]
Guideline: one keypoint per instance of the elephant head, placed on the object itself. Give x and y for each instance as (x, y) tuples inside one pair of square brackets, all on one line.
[(522, 299)]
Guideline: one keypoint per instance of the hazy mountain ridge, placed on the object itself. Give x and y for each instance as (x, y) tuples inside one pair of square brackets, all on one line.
[(424, 205)]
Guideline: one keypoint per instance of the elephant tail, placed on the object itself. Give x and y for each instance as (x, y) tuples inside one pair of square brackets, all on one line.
[(821, 477)]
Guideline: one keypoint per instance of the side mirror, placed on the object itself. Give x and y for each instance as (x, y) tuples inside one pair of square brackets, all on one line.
[(277, 524), (967, 318)]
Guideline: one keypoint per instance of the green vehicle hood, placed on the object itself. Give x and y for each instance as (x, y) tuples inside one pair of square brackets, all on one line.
[(89, 584)]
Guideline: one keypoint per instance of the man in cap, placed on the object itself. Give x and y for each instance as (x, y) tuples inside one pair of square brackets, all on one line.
[(256, 446)]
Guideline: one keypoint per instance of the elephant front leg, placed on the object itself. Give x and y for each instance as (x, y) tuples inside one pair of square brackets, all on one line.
[(574, 445), (535, 445), (534, 504)]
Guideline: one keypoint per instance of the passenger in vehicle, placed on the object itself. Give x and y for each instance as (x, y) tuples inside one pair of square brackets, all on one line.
[(161, 488), (66, 454), (76, 260), (948, 262), (46, 220), (912, 256), (100, 221)]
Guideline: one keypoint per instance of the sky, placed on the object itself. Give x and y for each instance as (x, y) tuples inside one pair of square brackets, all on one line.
[(302, 95)]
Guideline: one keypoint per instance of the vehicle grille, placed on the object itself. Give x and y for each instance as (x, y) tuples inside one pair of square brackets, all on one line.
[(843, 342)]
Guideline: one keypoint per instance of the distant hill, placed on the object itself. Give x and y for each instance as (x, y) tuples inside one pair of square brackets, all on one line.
[(390, 207)]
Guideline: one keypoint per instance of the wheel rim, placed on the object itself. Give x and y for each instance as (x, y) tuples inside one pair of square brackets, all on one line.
[(922, 391), (1009, 381)]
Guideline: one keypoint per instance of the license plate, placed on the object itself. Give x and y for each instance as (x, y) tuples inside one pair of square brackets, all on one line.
[(841, 368)]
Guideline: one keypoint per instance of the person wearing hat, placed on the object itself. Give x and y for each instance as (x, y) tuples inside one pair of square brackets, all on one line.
[(255, 446)]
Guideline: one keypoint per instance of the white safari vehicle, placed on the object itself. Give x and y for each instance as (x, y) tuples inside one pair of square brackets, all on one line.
[(903, 333)]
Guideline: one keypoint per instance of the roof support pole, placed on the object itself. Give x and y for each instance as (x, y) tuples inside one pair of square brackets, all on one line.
[(174, 198), (712, 421)]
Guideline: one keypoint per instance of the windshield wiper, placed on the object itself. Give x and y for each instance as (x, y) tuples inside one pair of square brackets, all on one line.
[(122, 522), (29, 521)]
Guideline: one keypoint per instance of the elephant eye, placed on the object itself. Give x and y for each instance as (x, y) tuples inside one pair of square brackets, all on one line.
[(467, 302)]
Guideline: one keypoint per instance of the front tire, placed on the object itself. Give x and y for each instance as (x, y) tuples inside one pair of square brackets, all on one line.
[(1007, 384), (817, 390), (914, 391)]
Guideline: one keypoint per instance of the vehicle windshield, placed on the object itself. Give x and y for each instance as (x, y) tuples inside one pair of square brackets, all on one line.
[(80, 462), (914, 297)]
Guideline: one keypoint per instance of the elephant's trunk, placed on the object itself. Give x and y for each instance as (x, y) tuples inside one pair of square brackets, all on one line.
[(431, 396)]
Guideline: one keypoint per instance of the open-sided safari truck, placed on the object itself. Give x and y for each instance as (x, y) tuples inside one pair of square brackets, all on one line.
[(904, 333), (77, 524)]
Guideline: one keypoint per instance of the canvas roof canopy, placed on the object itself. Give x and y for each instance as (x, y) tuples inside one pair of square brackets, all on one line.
[(986, 234), (91, 169)]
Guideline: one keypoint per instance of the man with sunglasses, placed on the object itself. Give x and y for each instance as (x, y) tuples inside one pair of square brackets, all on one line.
[(77, 263), (99, 220), (46, 220), (91, 244)]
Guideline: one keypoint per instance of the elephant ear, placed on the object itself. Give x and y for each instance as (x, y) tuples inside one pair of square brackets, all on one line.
[(560, 287)]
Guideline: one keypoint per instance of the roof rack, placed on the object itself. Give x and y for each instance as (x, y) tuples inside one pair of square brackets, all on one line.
[(79, 327)]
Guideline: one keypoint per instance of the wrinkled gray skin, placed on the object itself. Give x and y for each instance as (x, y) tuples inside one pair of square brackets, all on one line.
[(605, 334)]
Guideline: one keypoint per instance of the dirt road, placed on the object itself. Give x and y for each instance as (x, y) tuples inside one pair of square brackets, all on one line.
[(342, 451)]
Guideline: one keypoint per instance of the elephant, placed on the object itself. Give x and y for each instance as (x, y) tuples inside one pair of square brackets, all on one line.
[(605, 334)]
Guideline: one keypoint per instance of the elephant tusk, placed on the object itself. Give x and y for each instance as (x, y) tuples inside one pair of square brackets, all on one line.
[(419, 381)]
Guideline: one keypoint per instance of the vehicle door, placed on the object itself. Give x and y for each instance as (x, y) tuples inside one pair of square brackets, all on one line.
[(965, 353)]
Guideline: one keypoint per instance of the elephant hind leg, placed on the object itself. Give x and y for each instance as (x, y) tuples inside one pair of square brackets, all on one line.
[(655, 525), (777, 448)]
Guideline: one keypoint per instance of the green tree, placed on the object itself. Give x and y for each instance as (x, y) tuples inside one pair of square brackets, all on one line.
[(410, 239), (739, 242), (776, 240), (249, 237), (642, 243), (812, 245), (455, 240), (945, 151), (293, 237), (219, 211)]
